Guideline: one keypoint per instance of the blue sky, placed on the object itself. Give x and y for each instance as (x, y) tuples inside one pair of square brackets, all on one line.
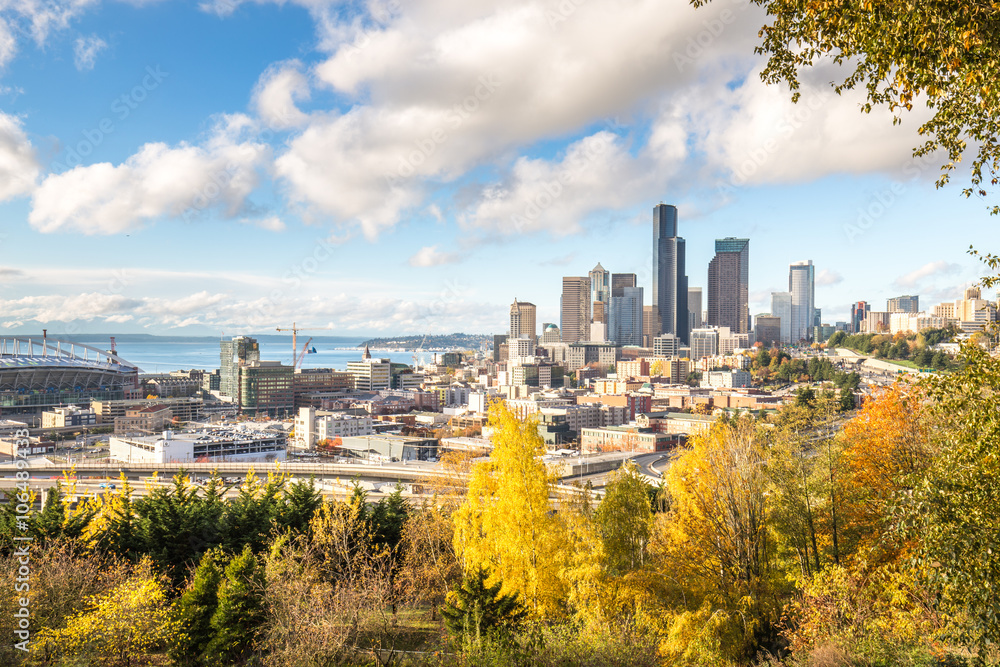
[(410, 167)]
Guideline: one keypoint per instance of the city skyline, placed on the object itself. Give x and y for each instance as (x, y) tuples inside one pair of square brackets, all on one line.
[(248, 180)]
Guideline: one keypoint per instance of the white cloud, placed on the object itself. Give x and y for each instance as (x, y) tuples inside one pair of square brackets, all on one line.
[(443, 88), (8, 44), (18, 164), (42, 17), (157, 181), (931, 269), (271, 223), (827, 277), (85, 51), (277, 90), (431, 256)]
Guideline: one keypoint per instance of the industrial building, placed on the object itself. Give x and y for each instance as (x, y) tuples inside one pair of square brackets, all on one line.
[(217, 444)]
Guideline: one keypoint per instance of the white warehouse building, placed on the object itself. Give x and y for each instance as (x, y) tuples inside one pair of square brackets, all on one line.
[(219, 444)]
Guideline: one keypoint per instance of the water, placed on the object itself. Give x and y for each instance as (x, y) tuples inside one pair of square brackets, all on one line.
[(162, 354)]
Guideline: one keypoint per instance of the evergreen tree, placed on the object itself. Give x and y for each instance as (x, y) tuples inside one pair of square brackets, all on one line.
[(194, 612), (301, 500), (388, 518), (240, 615), (475, 611)]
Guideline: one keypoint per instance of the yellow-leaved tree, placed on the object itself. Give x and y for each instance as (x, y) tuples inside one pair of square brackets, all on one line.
[(715, 542), (507, 525)]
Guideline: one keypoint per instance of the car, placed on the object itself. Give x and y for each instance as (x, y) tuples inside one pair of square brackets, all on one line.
[(106, 485)]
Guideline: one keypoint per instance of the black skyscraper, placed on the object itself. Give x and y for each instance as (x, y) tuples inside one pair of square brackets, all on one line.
[(670, 283)]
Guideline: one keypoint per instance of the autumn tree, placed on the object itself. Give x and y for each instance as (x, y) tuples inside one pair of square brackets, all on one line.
[(118, 628), (946, 53), (506, 524), (716, 537)]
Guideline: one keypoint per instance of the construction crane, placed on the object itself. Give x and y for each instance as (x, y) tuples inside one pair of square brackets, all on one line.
[(295, 331), (305, 349), (416, 353)]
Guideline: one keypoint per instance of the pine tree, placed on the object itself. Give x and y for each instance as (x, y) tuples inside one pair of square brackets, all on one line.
[(388, 518), (475, 611), (301, 500), (239, 616), (194, 611)]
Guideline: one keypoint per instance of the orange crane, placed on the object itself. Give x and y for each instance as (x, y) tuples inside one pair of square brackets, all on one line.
[(295, 331), (305, 348)]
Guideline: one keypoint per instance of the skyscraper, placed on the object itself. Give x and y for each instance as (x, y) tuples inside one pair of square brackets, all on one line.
[(729, 285), (522, 320), (802, 286), (670, 288), (859, 311), (619, 281), (574, 322), (625, 321), (694, 308), (903, 304), (600, 284), (781, 308), (240, 351)]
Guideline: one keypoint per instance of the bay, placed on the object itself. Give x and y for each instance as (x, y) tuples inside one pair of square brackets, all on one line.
[(162, 354)]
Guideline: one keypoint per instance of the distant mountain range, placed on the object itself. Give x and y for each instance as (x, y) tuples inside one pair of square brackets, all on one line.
[(455, 341)]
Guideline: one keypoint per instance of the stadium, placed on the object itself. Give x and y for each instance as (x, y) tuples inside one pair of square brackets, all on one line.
[(39, 374)]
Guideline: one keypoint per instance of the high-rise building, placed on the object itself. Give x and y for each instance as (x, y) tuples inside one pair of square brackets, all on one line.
[(600, 284), (619, 281), (802, 287), (781, 307), (859, 311), (240, 351), (522, 320), (550, 333), (767, 330), (903, 304), (598, 314), (694, 308), (650, 325), (704, 343), (670, 282), (625, 321), (499, 340), (666, 345), (729, 285), (574, 322), (371, 374)]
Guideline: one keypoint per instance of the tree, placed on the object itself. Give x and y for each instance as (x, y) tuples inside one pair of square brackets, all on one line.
[(118, 628), (194, 611), (477, 610), (716, 537), (954, 512), (506, 523), (946, 52), (625, 520), (239, 617)]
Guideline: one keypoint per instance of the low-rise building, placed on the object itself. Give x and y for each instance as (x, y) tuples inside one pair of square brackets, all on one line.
[(68, 416), (147, 420), (624, 439), (729, 378), (390, 448), (217, 444)]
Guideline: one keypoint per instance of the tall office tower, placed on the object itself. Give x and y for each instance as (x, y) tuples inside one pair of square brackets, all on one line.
[(670, 282), (767, 330), (522, 320), (600, 283), (240, 351), (625, 321), (694, 308), (972, 293), (781, 307), (498, 340), (599, 314), (802, 286), (650, 325), (574, 322), (859, 311), (729, 285), (619, 281), (903, 304)]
